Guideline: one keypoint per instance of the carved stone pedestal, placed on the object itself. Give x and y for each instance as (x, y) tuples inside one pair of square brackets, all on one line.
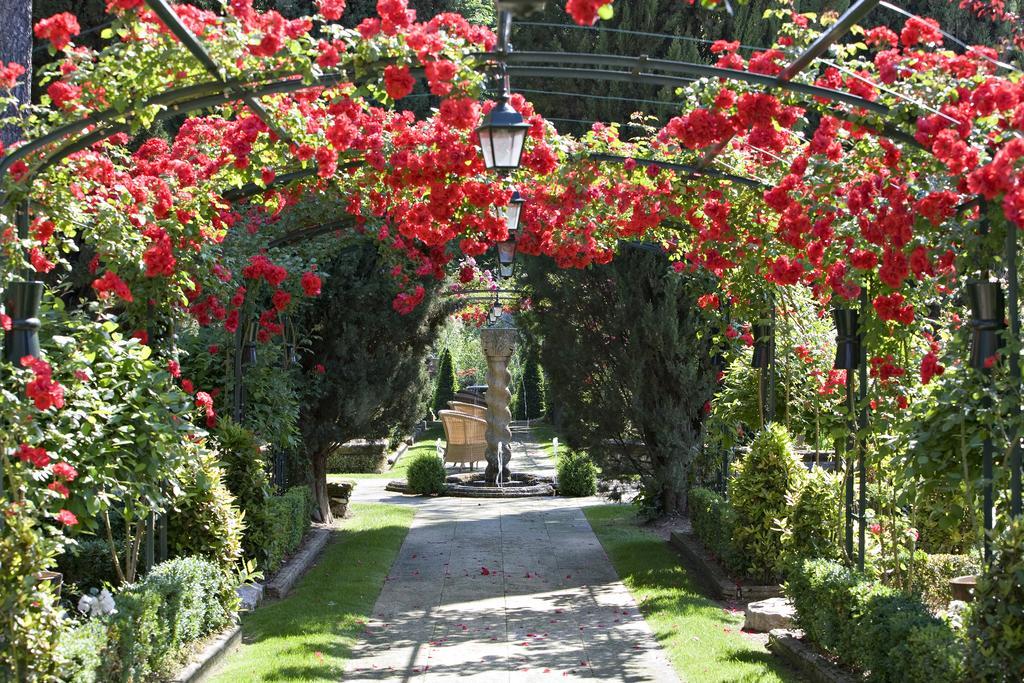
[(498, 344)]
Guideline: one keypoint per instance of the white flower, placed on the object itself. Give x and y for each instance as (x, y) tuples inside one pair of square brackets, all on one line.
[(85, 605)]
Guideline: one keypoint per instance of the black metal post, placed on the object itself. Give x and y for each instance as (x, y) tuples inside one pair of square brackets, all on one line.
[(986, 474), (1012, 285), (849, 463), (770, 412), (862, 391), (236, 394)]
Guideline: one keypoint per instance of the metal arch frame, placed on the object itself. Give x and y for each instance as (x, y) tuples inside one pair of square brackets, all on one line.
[(693, 171)]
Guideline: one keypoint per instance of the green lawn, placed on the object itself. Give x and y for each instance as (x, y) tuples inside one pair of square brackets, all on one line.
[(425, 444), (544, 432), (308, 636), (702, 640)]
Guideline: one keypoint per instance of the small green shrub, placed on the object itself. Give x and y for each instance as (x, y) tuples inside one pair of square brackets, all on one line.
[(178, 603), (933, 572), (205, 521), (288, 518), (889, 635), (87, 564), (577, 475), (245, 475), (426, 474), (713, 521), (996, 633), (766, 479), (812, 528)]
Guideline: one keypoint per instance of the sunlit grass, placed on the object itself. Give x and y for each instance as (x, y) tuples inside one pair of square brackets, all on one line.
[(702, 640), (309, 635)]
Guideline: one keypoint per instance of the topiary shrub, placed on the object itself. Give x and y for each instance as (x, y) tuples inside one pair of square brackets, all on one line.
[(577, 474), (426, 475), (447, 382), (812, 528), (713, 520), (996, 632), (205, 521), (766, 478)]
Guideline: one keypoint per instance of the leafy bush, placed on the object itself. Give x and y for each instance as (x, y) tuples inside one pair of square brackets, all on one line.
[(813, 525), (206, 522), (713, 521), (426, 474), (890, 636), (288, 518), (87, 564), (178, 603), (766, 478), (245, 475), (933, 572), (577, 474), (997, 630)]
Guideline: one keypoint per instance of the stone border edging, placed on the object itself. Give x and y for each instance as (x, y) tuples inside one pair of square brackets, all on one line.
[(299, 564), (203, 663), (711, 575), (392, 459), (790, 647)]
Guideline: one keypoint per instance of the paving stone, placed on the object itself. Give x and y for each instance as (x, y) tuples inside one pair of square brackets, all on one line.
[(767, 615), (548, 607)]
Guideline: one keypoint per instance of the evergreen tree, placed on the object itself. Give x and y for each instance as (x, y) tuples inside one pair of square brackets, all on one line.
[(369, 388), (528, 401), (446, 382), (625, 349)]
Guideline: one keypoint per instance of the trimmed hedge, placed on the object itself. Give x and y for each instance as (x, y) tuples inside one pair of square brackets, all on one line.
[(997, 629), (158, 619), (713, 521), (369, 459), (890, 636), (288, 517)]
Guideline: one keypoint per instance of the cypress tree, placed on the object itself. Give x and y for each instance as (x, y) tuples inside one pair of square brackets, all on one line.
[(446, 382), (528, 402)]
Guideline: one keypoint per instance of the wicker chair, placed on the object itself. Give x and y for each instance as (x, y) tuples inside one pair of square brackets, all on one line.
[(466, 437), (469, 409)]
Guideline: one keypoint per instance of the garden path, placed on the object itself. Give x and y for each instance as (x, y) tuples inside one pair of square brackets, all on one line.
[(503, 590)]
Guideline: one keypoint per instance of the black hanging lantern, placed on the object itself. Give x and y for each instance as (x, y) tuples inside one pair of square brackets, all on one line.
[(520, 8), (502, 136), (988, 310), (23, 299), (847, 338), (291, 342), (762, 345)]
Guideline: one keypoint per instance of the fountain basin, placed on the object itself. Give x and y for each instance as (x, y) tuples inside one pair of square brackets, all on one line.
[(473, 485)]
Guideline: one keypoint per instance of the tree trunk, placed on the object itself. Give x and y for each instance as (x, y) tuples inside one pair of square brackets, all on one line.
[(322, 504), (16, 46)]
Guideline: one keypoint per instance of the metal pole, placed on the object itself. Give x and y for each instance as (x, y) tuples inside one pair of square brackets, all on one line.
[(986, 474), (1012, 285), (849, 462), (771, 364), (862, 391), (236, 398)]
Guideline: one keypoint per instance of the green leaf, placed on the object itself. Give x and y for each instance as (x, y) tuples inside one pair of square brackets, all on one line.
[(606, 12)]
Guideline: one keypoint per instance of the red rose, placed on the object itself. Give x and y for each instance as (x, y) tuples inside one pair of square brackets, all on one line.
[(331, 10), (67, 518), (58, 29), (311, 283), (398, 82)]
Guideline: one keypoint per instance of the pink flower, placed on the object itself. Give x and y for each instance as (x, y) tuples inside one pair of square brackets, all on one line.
[(320, 369), (174, 368), (67, 518), (65, 471)]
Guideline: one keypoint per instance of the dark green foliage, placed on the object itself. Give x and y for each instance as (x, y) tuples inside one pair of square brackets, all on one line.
[(179, 602), (933, 572), (713, 522), (87, 564), (997, 631), (288, 517), (528, 400), (890, 636), (625, 349), (375, 359), (205, 521), (447, 382), (577, 474), (426, 475), (766, 478), (245, 475), (814, 522), (357, 460)]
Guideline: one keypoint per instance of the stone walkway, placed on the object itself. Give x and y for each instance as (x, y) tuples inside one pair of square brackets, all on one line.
[(504, 590)]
